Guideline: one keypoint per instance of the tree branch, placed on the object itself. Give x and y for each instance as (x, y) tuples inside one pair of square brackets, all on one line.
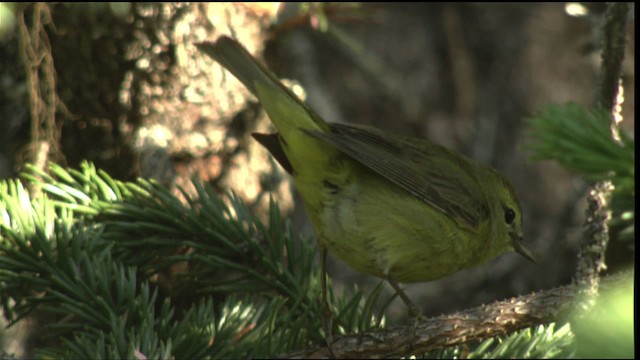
[(460, 328)]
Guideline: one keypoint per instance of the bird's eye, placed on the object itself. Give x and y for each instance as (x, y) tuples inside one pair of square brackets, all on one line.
[(509, 216)]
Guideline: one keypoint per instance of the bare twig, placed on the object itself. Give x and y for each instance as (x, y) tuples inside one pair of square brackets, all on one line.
[(591, 259), (613, 33), (35, 51)]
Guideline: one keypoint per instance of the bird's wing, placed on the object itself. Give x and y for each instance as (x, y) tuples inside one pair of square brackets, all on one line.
[(430, 172)]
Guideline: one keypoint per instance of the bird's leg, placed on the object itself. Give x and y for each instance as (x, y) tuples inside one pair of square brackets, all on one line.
[(414, 311), (327, 318)]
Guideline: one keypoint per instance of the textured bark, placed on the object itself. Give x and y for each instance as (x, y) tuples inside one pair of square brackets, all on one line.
[(464, 327), (144, 102)]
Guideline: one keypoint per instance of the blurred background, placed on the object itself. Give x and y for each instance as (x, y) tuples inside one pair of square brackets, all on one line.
[(121, 85)]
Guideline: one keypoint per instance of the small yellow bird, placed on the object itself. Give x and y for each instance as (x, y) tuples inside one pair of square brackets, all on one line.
[(403, 209)]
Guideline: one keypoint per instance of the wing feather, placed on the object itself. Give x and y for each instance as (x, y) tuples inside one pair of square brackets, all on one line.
[(430, 172)]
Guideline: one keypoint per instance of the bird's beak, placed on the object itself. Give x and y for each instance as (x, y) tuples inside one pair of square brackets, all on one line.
[(520, 249)]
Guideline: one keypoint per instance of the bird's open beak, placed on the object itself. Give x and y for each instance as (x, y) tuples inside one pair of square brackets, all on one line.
[(520, 249)]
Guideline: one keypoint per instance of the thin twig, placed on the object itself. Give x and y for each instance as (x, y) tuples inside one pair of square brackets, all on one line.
[(591, 258), (614, 37), (35, 52)]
